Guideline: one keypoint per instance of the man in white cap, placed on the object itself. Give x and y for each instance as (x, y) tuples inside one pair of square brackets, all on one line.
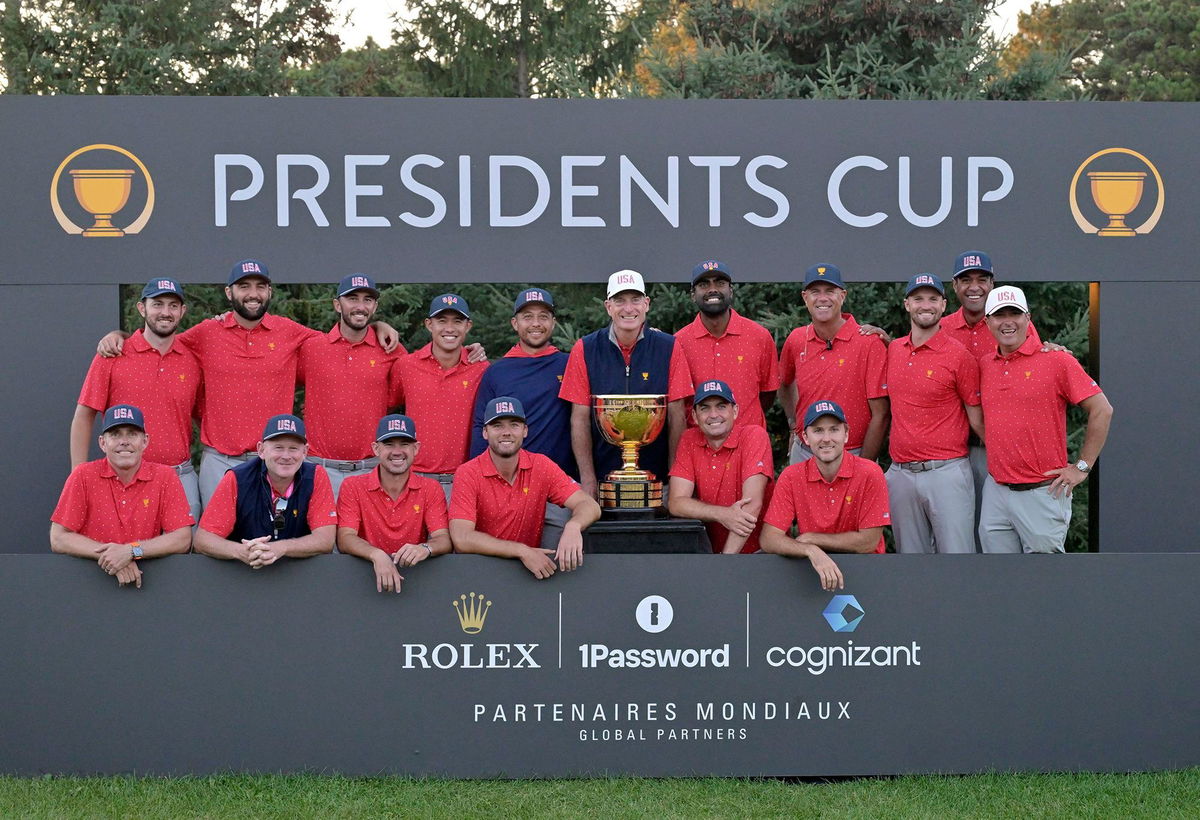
[(627, 357), (1025, 392)]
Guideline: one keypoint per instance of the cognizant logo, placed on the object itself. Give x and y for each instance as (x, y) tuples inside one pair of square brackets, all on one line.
[(843, 614)]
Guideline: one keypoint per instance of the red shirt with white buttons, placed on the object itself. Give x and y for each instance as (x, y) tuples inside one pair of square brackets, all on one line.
[(164, 386), (743, 357), (365, 507), (856, 499), (928, 386), (1025, 397), (440, 400), (510, 512), (95, 504)]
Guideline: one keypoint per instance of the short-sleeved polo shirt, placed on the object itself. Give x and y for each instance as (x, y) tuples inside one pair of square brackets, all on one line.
[(1025, 397), (440, 400), (510, 512), (743, 357), (365, 507), (220, 515), (719, 474), (164, 386), (856, 499), (928, 385), (95, 504), (976, 338)]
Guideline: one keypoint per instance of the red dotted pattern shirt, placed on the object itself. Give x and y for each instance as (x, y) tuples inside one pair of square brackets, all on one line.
[(928, 386), (977, 338), (510, 512), (95, 504), (856, 499), (440, 401), (365, 507), (744, 357)]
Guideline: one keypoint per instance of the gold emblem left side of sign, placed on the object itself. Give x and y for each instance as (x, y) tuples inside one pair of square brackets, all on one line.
[(102, 192)]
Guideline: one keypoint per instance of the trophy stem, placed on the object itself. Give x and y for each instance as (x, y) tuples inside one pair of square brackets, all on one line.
[(102, 226), (1116, 227), (629, 456)]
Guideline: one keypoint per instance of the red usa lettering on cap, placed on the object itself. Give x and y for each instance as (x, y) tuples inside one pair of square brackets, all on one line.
[(397, 425), (972, 260), (286, 424), (360, 282), (924, 280), (1006, 296), (625, 279), (166, 284), (824, 406), (533, 296), (449, 300), (504, 407), (122, 413), (251, 267)]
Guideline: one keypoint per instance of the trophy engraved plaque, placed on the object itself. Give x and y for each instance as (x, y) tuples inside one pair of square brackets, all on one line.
[(629, 422)]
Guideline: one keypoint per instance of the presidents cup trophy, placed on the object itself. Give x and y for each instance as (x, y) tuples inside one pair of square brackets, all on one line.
[(629, 422), (1117, 193), (102, 192)]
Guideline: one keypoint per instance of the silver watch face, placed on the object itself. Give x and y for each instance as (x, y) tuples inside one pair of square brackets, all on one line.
[(1082, 466)]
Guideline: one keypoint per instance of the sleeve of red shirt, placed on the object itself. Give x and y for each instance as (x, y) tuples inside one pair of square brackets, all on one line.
[(463, 495), (769, 366), (781, 512), (94, 393), (322, 510), (679, 376), (1077, 385), (787, 365), (193, 337), (174, 512), (683, 466), (436, 517), (396, 382), (756, 453), (873, 508), (349, 506), (968, 379), (220, 513), (876, 369), (576, 388), (562, 486), (71, 510)]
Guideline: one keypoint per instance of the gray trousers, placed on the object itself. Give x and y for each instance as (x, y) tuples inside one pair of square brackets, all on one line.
[(552, 529), (978, 457), (1023, 521), (445, 479), (798, 454), (212, 466), (191, 487), (339, 471), (933, 510)]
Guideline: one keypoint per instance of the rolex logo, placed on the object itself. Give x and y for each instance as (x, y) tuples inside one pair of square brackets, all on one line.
[(471, 613)]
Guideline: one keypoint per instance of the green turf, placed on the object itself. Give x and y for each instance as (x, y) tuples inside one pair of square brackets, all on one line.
[(1160, 794)]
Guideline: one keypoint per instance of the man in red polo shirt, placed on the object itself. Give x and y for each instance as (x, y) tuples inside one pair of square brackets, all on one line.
[(153, 373), (389, 516), (500, 496), (722, 472), (721, 343), (1025, 391), (122, 508), (838, 501), (830, 359), (933, 385), (437, 386), (276, 505)]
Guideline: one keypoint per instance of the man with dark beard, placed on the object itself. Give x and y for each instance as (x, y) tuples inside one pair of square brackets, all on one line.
[(723, 344), (152, 373), (933, 385)]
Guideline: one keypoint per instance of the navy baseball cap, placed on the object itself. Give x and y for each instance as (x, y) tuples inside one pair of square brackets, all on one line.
[(357, 281), (449, 301), (157, 287), (247, 267), (709, 267), (396, 426), (824, 407), (123, 414), (823, 273), (713, 387), (972, 260), (284, 424), (504, 407), (925, 280), (535, 296)]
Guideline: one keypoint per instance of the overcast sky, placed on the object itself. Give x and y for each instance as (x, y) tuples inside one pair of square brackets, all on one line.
[(372, 18)]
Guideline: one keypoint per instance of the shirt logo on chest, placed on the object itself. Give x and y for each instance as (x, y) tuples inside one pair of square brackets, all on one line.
[(929, 374), (849, 498), (1028, 374), (183, 377), (645, 376), (145, 502), (416, 507), (372, 362), (466, 382), (270, 345)]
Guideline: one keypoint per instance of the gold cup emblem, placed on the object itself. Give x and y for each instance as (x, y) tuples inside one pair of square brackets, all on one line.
[(102, 192), (629, 422), (1117, 193)]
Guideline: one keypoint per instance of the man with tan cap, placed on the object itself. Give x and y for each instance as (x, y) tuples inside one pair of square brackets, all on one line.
[(627, 357), (1025, 392)]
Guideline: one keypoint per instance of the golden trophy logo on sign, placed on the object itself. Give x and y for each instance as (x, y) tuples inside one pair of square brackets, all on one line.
[(102, 192), (629, 422), (1117, 193)]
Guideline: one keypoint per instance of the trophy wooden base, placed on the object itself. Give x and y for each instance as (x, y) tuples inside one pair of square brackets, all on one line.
[(630, 498)]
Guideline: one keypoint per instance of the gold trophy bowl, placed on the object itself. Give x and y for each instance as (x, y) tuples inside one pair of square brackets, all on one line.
[(102, 192), (1117, 193), (630, 421)]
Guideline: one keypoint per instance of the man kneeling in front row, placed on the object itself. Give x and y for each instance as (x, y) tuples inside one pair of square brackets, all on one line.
[(273, 506), (391, 516), (120, 508), (499, 500)]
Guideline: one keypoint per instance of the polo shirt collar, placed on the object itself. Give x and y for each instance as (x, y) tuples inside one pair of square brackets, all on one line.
[(138, 344), (267, 322), (524, 462), (142, 474), (612, 334), (335, 335), (846, 470), (939, 341), (426, 352), (1027, 348), (518, 352), (736, 326), (731, 441), (845, 333), (375, 485)]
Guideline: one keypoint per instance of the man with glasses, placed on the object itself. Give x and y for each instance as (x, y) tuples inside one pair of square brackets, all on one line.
[(273, 506)]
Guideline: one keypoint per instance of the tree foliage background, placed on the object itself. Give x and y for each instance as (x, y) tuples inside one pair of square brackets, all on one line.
[(734, 49)]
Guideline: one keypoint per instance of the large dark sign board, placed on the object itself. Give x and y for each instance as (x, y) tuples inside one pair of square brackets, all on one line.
[(491, 190), (654, 665)]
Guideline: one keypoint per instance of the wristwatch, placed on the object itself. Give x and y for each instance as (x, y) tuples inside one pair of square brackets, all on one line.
[(428, 549), (135, 550), (1082, 466)]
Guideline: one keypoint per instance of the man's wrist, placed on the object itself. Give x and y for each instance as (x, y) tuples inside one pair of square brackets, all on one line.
[(135, 551)]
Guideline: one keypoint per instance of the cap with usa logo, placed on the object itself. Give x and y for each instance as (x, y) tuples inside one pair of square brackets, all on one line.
[(284, 424), (925, 280), (120, 415), (449, 301), (396, 426), (624, 280), (503, 407), (713, 387), (160, 287), (824, 407), (533, 296), (968, 261), (823, 272), (357, 281), (710, 267), (1005, 296), (247, 267)]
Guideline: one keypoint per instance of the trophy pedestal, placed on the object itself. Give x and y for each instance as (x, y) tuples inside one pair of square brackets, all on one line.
[(625, 497)]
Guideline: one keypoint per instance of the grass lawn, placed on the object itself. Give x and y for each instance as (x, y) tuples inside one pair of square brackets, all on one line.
[(1159, 794)]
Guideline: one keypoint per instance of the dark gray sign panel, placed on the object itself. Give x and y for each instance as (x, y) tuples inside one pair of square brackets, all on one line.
[(648, 665), (506, 190)]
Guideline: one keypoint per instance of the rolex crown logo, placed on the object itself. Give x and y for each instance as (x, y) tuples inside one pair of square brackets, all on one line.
[(471, 613)]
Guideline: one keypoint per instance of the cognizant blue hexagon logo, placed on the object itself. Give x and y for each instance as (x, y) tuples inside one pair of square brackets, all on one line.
[(843, 613)]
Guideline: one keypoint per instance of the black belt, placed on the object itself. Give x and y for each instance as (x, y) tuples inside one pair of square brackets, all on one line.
[(922, 466), (1022, 488)]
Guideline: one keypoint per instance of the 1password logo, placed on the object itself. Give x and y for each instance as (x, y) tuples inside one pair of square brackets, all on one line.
[(654, 613)]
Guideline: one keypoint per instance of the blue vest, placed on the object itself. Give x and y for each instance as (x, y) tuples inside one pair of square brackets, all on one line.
[(256, 513), (648, 372)]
